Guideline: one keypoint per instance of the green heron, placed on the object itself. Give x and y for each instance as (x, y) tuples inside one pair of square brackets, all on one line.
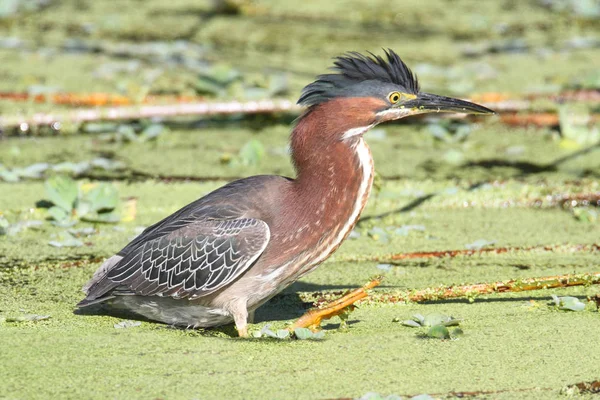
[(219, 258)]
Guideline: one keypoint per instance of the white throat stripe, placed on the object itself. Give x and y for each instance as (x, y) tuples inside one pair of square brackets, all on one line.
[(356, 131)]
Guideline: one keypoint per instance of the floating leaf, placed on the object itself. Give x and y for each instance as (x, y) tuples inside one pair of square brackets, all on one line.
[(127, 324), (13, 229), (568, 303), (103, 197), (107, 164), (405, 229), (62, 192), (318, 335), (384, 267), (457, 332), (438, 332), (65, 239), (282, 334), (8, 175), (34, 171), (4, 224), (440, 319), (411, 323), (480, 244), (83, 232), (151, 132), (58, 213), (106, 218), (27, 318), (586, 214), (71, 167), (431, 320), (252, 153), (379, 234), (302, 333)]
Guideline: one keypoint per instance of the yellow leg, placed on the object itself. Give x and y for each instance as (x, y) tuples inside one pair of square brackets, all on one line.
[(312, 319)]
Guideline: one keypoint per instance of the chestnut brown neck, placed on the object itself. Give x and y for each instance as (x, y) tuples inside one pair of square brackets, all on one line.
[(317, 142), (333, 183)]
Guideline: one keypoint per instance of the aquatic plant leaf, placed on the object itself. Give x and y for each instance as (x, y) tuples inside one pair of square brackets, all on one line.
[(4, 224), (384, 267), (379, 234), (454, 157), (58, 214), (283, 334), (302, 333), (81, 232), (34, 171), (19, 226), (126, 133), (103, 197), (438, 332), (71, 167), (576, 125), (586, 214), (305, 333), (568, 303), (252, 153), (62, 191), (65, 239), (440, 319), (479, 244), (151, 132), (83, 207), (439, 132), (405, 229), (127, 324), (318, 335), (278, 85), (107, 164), (9, 175), (107, 218), (457, 332), (27, 318), (411, 323)]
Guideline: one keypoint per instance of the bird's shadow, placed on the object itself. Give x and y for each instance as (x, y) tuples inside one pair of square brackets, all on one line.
[(285, 306)]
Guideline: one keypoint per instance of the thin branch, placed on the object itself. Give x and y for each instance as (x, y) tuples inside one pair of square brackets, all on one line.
[(471, 290), (468, 252), (148, 111)]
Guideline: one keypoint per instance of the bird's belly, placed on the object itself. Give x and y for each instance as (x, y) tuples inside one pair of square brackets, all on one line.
[(178, 312)]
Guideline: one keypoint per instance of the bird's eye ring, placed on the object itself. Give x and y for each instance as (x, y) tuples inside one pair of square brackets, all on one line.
[(394, 97)]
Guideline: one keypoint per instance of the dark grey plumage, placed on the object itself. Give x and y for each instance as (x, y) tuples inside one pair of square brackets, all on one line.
[(354, 70), (193, 261), (191, 253)]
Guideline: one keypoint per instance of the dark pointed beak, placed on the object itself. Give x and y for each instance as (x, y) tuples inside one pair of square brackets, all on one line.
[(427, 102)]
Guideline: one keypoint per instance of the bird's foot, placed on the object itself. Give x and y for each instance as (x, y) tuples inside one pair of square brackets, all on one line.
[(312, 319), (243, 331)]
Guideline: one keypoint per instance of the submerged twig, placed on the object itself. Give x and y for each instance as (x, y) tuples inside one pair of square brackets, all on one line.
[(470, 252), (148, 111), (471, 290), (95, 99)]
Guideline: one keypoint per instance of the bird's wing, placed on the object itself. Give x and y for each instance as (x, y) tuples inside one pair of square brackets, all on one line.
[(193, 261)]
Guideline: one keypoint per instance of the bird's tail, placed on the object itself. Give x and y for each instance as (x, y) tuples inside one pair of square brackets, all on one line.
[(99, 275)]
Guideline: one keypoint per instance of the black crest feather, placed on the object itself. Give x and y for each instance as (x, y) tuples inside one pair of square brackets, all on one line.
[(353, 68)]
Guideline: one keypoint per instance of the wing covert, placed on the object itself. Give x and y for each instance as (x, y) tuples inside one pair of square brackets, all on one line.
[(193, 261)]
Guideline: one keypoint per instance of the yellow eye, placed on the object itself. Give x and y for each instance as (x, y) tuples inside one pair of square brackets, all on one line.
[(394, 97)]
